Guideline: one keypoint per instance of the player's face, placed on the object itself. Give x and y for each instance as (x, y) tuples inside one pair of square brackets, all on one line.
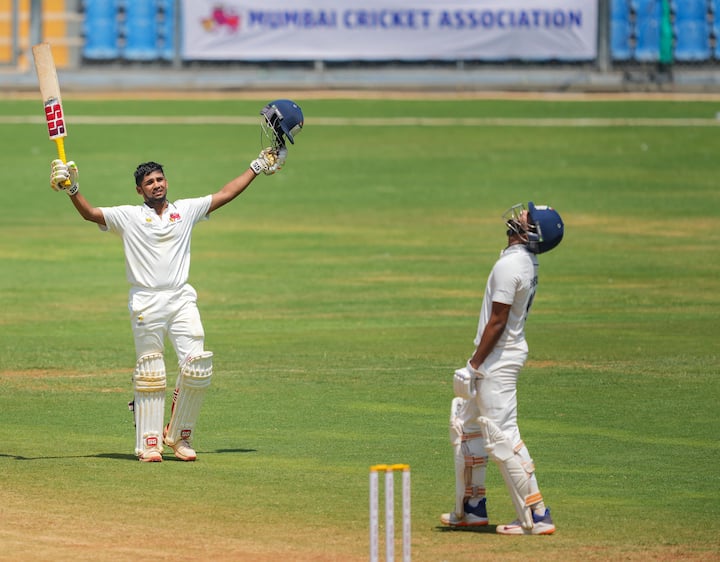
[(523, 219), (153, 187)]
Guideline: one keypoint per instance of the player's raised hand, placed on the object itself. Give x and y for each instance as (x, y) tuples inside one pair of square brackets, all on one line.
[(280, 157), (60, 173), (260, 164), (269, 161)]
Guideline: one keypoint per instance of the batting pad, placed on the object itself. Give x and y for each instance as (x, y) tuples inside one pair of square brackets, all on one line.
[(470, 460), (517, 470), (149, 382), (193, 382)]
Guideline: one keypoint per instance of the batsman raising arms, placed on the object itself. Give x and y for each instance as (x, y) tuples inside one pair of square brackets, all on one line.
[(156, 239)]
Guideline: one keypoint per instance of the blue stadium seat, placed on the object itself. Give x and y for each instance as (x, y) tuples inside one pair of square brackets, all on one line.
[(166, 27), (715, 7), (620, 10), (692, 41), (141, 35), (648, 14), (620, 30), (101, 30), (620, 39), (690, 10)]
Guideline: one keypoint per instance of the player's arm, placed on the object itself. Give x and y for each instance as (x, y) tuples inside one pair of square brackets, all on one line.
[(268, 162), (499, 314), (64, 177), (86, 210), (232, 189)]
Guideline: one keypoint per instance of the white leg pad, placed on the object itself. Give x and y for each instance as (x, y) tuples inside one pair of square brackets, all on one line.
[(193, 382), (517, 470), (470, 460), (149, 383)]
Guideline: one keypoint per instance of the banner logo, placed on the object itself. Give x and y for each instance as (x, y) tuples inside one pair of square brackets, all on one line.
[(220, 18)]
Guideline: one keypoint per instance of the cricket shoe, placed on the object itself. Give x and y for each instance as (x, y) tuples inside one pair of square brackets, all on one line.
[(474, 516), (150, 456), (181, 448), (542, 525), (183, 451)]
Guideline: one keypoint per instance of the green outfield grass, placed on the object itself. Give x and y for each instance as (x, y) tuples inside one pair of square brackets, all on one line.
[(339, 296)]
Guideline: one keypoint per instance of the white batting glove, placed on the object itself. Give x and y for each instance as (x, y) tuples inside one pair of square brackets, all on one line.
[(59, 174), (269, 161), (258, 165), (280, 158), (464, 384), (62, 173), (262, 163)]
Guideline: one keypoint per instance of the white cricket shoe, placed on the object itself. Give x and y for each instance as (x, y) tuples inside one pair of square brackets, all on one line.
[(151, 455), (468, 520), (474, 516), (183, 451), (542, 525), (182, 448)]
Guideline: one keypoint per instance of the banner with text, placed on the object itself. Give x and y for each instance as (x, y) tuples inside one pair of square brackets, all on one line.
[(406, 30)]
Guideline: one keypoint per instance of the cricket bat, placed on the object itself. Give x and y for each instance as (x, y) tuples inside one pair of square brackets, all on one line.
[(50, 93)]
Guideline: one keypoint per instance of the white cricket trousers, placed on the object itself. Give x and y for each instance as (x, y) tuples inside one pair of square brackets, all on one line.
[(171, 314), (497, 393)]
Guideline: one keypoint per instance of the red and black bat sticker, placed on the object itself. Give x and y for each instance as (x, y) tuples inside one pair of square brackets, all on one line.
[(55, 119)]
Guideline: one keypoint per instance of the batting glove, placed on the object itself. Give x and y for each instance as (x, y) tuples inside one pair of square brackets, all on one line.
[(464, 384), (279, 162), (64, 177), (269, 161)]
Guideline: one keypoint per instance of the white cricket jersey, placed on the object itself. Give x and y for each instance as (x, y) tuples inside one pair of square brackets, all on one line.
[(512, 281), (157, 249)]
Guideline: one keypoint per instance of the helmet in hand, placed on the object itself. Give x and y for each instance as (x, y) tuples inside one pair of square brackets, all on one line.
[(282, 119)]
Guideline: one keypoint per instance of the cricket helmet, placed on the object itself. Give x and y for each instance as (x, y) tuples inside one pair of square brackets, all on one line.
[(544, 228), (282, 118)]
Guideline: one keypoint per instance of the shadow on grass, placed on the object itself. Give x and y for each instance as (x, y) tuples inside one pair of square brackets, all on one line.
[(121, 456), (488, 529)]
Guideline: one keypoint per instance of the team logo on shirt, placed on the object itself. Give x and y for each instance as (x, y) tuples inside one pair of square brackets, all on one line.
[(174, 217)]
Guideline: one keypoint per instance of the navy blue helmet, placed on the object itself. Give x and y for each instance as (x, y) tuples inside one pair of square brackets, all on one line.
[(548, 228), (282, 119), (543, 230)]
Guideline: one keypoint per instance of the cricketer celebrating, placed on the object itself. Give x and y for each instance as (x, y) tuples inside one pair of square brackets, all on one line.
[(156, 239), (483, 416)]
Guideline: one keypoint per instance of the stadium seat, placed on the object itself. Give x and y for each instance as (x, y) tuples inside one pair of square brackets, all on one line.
[(692, 41), (692, 29), (690, 10), (619, 9), (648, 14), (620, 30), (715, 8), (620, 39), (101, 30), (141, 34), (166, 27)]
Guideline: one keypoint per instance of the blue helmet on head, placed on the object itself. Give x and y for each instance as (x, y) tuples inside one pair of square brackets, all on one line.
[(546, 228), (282, 118)]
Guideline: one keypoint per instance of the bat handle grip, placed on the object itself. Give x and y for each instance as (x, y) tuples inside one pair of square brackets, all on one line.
[(60, 142)]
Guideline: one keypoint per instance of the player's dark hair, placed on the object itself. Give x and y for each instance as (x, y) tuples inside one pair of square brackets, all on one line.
[(145, 169)]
